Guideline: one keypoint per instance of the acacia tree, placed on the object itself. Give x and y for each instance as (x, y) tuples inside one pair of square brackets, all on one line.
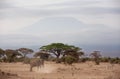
[(72, 54), (73, 51), (55, 48), (60, 49), (11, 55), (25, 51), (2, 52), (96, 56), (42, 54)]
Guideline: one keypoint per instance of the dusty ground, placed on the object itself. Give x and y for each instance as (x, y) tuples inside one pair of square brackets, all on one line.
[(60, 71)]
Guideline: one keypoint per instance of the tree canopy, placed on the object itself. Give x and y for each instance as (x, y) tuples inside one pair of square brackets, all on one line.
[(59, 49), (25, 51), (96, 55), (2, 52), (55, 48), (42, 54), (11, 54)]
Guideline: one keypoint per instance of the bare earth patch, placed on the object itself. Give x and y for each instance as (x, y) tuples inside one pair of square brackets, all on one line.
[(60, 71)]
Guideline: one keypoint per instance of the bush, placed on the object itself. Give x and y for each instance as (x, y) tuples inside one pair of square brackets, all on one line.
[(105, 59), (97, 62), (19, 59), (62, 59), (84, 59), (5, 59), (0, 60), (26, 61), (69, 59), (115, 60)]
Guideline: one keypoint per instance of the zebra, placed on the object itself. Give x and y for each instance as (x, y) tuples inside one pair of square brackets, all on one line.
[(36, 63)]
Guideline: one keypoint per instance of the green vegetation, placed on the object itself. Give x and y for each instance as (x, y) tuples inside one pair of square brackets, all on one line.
[(56, 52), (115, 60), (63, 50), (2, 52), (69, 59), (24, 52), (42, 55), (11, 55), (96, 57)]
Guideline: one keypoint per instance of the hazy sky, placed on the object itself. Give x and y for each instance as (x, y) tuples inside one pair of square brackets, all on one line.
[(80, 22)]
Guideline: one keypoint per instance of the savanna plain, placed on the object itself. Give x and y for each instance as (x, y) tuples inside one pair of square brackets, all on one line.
[(52, 70)]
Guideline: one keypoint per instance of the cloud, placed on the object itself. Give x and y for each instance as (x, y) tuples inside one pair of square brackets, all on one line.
[(66, 30), (10, 26), (49, 8), (83, 21), (18, 14), (4, 4)]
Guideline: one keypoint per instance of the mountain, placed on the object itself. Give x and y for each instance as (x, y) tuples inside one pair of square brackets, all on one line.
[(54, 25)]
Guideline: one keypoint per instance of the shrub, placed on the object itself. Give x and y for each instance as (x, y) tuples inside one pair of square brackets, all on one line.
[(0, 60), (69, 59), (26, 61), (84, 59), (96, 56), (97, 62), (115, 60), (62, 59), (105, 59), (19, 59)]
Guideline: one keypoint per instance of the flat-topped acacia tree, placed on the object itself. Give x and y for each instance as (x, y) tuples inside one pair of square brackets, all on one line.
[(60, 49), (11, 55), (25, 51), (42, 54), (55, 48)]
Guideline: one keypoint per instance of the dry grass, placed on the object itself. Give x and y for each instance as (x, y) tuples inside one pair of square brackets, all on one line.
[(60, 71)]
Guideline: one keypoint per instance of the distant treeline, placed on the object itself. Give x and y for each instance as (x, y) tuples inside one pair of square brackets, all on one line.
[(56, 52)]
